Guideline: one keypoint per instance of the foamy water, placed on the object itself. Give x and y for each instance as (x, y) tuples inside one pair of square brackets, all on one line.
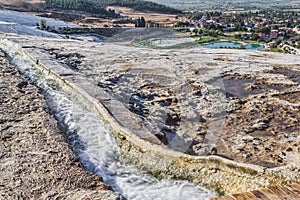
[(6, 23), (98, 151)]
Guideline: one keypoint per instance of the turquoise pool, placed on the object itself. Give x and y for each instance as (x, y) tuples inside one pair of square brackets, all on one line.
[(231, 45)]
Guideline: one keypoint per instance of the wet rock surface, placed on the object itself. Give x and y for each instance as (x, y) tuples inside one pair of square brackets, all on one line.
[(242, 105), (36, 161)]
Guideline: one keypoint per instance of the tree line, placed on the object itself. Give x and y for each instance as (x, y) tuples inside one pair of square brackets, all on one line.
[(98, 7), (89, 6)]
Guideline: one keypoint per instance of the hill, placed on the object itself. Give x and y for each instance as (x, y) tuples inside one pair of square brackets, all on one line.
[(98, 7), (227, 4), (97, 13)]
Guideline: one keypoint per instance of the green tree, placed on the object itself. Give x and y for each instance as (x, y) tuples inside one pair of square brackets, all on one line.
[(277, 42), (237, 36), (43, 24), (254, 36), (265, 30), (140, 22), (143, 22)]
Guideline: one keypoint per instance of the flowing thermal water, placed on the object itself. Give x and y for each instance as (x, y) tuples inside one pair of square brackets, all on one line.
[(99, 153)]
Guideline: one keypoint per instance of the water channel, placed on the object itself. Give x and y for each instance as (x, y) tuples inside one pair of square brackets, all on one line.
[(94, 144), (99, 153)]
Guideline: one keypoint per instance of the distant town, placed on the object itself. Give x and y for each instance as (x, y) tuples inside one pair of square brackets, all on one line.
[(272, 28)]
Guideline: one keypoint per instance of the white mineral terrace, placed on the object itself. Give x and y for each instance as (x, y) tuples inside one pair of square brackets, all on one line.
[(165, 110), (101, 154), (97, 149)]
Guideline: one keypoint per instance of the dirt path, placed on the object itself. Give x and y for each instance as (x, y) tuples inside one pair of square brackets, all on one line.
[(35, 160)]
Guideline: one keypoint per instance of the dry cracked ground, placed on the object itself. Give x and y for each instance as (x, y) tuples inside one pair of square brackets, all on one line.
[(36, 161), (242, 105)]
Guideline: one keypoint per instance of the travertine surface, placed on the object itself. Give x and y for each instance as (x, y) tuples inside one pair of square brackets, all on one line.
[(243, 105), (197, 101)]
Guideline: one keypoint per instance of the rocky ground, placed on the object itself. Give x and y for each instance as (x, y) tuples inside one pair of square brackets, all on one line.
[(36, 161), (263, 126), (242, 105)]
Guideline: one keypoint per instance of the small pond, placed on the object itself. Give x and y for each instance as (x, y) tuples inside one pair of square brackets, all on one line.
[(171, 41), (231, 45)]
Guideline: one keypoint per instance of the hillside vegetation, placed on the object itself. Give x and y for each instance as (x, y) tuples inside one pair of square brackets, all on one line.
[(226, 4), (98, 7)]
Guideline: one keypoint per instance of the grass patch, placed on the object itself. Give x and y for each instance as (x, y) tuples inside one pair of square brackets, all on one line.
[(277, 50), (248, 41), (207, 39), (142, 43)]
